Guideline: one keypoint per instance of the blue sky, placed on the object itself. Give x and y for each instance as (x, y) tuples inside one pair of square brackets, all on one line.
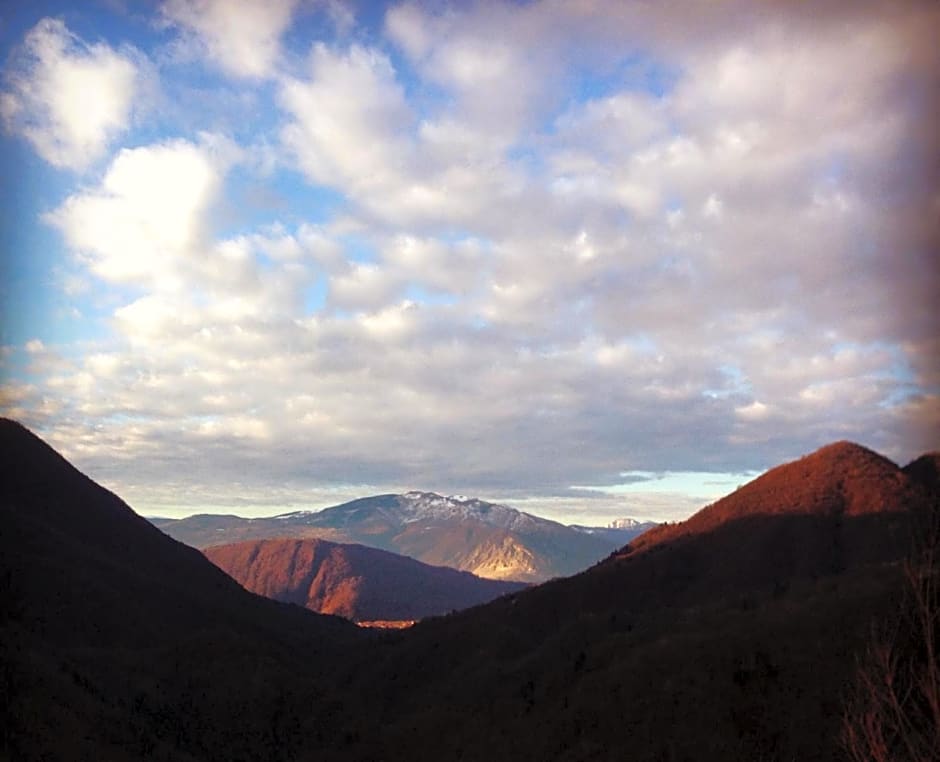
[(592, 259)]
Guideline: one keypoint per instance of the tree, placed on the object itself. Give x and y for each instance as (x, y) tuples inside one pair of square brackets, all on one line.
[(893, 714)]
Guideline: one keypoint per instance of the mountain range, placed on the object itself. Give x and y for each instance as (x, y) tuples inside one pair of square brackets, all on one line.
[(732, 636), (353, 581), (468, 534)]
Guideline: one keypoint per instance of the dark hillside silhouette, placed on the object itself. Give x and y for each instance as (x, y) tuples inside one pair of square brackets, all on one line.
[(118, 642), (893, 711), (925, 470)]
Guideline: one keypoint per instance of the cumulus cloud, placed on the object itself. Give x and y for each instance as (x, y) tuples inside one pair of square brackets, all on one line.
[(66, 97), (364, 285), (350, 126), (147, 215), (457, 268), (242, 38), (498, 63), (349, 118)]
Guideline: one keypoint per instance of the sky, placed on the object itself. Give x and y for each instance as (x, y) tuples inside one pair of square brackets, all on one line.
[(590, 258)]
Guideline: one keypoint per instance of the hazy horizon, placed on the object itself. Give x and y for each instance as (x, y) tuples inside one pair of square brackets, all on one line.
[(666, 505)]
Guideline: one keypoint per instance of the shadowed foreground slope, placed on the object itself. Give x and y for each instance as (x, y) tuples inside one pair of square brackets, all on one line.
[(353, 581), (120, 643)]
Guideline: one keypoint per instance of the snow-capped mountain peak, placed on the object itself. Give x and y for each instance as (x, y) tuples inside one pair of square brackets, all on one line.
[(424, 506)]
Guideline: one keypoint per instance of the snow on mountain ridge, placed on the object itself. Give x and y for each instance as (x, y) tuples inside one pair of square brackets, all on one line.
[(624, 524), (422, 506), (416, 505)]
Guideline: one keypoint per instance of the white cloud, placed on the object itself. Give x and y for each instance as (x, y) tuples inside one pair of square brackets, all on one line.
[(147, 217), (68, 98), (351, 127), (453, 268), (407, 26), (152, 318), (495, 61), (242, 38), (348, 120), (756, 411), (390, 323), (616, 125), (363, 286), (341, 14)]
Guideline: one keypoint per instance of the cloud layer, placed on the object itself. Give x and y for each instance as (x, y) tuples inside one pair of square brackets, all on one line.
[(243, 38), (535, 246), (67, 98)]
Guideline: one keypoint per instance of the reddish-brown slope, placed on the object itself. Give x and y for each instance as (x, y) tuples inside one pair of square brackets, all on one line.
[(353, 581), (840, 480)]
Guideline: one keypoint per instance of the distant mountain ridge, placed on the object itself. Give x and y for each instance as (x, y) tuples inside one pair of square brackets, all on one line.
[(429, 506), (619, 531), (487, 539), (352, 581)]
